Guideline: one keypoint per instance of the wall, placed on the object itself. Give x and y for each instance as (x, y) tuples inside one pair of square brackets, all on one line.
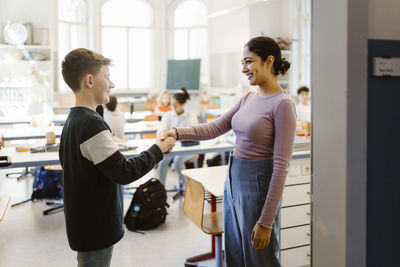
[(355, 196), (229, 31), (329, 112), (266, 19), (383, 147), (384, 19), (339, 73), (227, 35)]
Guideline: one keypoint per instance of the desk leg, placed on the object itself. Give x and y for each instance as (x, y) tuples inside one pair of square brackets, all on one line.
[(213, 209), (218, 256)]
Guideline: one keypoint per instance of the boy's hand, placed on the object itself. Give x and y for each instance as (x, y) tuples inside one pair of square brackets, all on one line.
[(165, 145), (171, 133)]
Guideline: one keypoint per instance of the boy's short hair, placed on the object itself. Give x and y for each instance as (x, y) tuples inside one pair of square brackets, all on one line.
[(80, 62), (303, 89), (112, 104)]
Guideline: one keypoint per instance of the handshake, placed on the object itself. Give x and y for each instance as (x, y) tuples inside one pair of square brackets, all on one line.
[(166, 141)]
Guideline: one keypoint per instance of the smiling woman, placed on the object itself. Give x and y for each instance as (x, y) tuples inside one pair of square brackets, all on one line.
[(262, 61), (264, 124)]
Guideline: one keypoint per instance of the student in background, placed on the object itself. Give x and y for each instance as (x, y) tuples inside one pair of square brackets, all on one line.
[(93, 167), (100, 110), (164, 104), (114, 119), (264, 123), (178, 117), (303, 109)]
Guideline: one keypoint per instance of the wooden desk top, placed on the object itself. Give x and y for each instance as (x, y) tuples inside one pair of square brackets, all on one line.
[(213, 178), (4, 199)]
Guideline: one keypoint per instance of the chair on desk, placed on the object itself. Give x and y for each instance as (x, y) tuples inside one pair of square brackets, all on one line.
[(210, 223)]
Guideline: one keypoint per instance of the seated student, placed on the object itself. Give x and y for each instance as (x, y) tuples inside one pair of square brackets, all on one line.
[(114, 119), (93, 167), (303, 108), (178, 117), (164, 104)]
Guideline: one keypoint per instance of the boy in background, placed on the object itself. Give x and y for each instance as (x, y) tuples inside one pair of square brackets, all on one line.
[(93, 167), (303, 109)]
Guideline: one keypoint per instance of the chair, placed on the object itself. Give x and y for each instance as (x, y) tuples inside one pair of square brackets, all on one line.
[(195, 162), (4, 198), (210, 223)]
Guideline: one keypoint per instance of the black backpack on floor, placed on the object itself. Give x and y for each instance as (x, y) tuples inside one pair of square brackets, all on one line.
[(147, 209)]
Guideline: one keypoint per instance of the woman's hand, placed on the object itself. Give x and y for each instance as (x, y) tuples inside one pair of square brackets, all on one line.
[(171, 133), (260, 236)]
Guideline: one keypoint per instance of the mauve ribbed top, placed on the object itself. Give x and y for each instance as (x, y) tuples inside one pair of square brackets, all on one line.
[(265, 128)]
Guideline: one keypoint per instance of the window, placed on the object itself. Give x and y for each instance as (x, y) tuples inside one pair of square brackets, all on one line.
[(127, 38), (305, 42), (72, 31), (188, 33)]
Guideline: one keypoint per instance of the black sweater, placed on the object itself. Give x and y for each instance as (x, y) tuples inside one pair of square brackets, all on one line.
[(93, 171)]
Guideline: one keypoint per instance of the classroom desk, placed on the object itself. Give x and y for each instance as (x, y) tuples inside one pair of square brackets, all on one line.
[(131, 101), (59, 119), (212, 112), (4, 199), (136, 116), (141, 127), (213, 180), (24, 133), (27, 159)]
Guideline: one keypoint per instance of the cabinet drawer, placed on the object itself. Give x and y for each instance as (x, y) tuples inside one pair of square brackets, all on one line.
[(295, 216), (296, 257), (295, 237), (298, 180), (296, 195)]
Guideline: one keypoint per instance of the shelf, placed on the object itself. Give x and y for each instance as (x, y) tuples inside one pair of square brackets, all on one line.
[(16, 86), (26, 62), (30, 47)]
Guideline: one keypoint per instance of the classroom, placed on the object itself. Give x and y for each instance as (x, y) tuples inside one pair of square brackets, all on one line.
[(236, 133)]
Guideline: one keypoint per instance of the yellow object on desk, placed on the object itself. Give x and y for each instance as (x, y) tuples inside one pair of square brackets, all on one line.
[(22, 148)]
